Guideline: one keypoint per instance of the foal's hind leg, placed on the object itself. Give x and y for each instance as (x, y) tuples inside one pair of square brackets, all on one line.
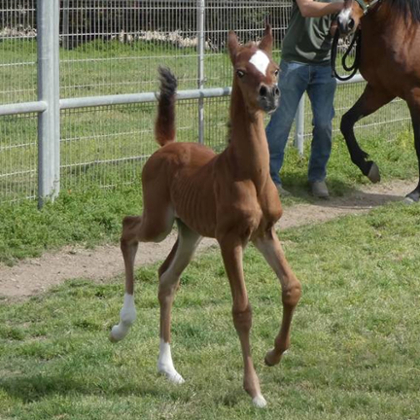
[(371, 100), (169, 275), (152, 226), (415, 117), (291, 291)]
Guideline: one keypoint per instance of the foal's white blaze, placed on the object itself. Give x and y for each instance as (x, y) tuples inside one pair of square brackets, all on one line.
[(344, 16), (166, 365), (260, 61), (127, 318)]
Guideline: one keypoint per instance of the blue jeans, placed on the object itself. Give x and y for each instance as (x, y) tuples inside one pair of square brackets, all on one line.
[(294, 80)]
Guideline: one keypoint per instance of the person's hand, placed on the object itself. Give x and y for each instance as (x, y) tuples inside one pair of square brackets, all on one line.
[(338, 7)]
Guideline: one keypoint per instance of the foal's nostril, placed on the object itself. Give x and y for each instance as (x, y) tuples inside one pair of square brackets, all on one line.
[(276, 91), (263, 91), (351, 24)]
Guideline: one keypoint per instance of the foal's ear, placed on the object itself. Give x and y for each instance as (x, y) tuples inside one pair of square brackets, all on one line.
[(233, 45), (266, 43)]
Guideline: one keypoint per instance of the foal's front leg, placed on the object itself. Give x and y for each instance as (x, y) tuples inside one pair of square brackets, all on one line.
[(270, 247), (242, 315)]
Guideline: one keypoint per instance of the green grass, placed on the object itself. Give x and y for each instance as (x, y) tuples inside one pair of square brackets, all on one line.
[(355, 349), (88, 218)]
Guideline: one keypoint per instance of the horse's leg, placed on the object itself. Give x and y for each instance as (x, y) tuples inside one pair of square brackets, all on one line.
[(169, 275), (270, 247), (241, 311), (414, 106), (153, 226), (371, 100)]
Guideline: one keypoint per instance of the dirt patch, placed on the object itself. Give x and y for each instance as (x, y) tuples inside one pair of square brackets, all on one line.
[(36, 275)]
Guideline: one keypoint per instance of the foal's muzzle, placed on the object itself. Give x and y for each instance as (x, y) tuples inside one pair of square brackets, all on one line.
[(268, 98), (346, 25)]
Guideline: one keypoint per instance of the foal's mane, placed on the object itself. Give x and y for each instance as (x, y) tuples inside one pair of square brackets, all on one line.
[(409, 8)]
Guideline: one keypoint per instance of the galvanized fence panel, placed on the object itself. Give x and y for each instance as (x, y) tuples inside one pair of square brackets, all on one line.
[(18, 74), (114, 47)]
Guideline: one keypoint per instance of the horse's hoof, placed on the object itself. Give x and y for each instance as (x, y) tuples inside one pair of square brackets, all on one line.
[(259, 401), (272, 358), (413, 197), (409, 200), (374, 174)]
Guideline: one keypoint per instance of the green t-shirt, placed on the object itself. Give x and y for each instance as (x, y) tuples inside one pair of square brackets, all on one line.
[(308, 40)]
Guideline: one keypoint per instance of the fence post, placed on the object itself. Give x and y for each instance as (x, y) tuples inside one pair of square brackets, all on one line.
[(300, 125), (200, 51), (48, 13)]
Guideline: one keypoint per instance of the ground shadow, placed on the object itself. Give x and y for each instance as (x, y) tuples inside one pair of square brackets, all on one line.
[(345, 196), (30, 388)]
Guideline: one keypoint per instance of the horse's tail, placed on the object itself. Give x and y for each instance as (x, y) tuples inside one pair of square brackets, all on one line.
[(165, 121)]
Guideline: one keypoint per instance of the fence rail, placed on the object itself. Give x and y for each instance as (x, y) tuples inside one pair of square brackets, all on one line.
[(77, 83)]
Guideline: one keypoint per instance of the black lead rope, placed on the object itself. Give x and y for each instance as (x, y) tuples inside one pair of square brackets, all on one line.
[(355, 66)]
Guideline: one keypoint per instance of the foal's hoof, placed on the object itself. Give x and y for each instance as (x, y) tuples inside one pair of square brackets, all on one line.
[(171, 375), (374, 174), (117, 334), (259, 401), (272, 358)]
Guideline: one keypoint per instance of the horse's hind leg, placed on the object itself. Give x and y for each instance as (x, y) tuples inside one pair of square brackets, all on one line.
[(415, 117), (152, 226), (371, 100), (169, 275)]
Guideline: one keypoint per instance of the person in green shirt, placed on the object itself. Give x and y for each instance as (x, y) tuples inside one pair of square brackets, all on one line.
[(305, 66)]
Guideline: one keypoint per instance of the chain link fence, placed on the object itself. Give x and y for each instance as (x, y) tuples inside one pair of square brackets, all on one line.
[(111, 49)]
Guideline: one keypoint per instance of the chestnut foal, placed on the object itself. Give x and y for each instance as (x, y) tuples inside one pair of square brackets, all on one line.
[(229, 196)]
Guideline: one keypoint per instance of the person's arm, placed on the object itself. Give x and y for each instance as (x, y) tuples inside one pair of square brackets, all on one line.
[(311, 8)]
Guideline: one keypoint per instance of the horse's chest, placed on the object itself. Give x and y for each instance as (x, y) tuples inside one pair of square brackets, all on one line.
[(252, 217)]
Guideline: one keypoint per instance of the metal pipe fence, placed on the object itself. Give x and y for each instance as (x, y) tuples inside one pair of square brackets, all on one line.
[(77, 83)]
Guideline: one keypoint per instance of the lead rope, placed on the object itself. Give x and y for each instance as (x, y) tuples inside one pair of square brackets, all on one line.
[(355, 66)]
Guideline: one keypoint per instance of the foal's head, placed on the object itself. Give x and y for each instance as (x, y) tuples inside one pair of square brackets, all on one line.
[(349, 18), (255, 72)]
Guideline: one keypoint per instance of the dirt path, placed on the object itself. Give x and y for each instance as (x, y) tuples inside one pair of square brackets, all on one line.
[(36, 275)]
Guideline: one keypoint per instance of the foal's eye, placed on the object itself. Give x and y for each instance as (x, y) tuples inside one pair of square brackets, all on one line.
[(276, 73), (240, 73)]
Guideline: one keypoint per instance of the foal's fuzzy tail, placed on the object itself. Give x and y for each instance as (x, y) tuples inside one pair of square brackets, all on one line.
[(165, 121)]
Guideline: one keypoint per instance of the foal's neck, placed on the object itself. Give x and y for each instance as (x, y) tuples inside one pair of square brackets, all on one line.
[(248, 143)]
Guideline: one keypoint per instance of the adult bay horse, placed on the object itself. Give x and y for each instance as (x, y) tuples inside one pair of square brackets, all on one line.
[(229, 196), (390, 62)]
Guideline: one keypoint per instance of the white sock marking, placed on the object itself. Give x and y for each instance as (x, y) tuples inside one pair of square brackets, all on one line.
[(259, 401), (166, 365), (260, 61), (127, 318)]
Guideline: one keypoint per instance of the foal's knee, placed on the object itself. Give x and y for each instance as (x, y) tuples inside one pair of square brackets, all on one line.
[(292, 294), (130, 227), (242, 318)]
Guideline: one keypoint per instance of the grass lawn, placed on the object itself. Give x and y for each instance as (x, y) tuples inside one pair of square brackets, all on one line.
[(355, 351)]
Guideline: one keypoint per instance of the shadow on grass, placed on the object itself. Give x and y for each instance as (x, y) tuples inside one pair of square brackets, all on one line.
[(342, 195), (33, 388)]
